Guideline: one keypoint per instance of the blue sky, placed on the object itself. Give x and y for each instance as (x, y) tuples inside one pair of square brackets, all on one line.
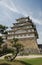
[(10, 10)]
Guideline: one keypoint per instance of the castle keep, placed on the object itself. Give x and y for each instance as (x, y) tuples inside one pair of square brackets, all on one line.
[(25, 31)]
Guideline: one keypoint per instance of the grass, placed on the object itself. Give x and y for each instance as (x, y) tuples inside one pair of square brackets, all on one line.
[(36, 61), (16, 62)]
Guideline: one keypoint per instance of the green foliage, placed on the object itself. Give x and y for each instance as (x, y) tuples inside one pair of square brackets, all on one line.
[(15, 40), (1, 41), (9, 50), (2, 29), (18, 46)]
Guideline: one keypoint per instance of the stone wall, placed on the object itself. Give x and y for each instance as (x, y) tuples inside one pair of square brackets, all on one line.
[(30, 45)]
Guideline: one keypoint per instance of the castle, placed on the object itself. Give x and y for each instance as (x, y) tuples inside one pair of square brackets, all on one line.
[(25, 31)]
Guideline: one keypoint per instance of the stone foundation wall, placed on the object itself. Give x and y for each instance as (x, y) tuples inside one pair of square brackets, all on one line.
[(30, 45)]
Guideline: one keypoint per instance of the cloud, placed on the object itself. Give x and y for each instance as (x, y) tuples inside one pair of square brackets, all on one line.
[(35, 20), (9, 7), (40, 13), (13, 8)]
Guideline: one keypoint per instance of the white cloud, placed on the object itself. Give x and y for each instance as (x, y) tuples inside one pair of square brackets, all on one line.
[(12, 7), (9, 7), (36, 20), (40, 13)]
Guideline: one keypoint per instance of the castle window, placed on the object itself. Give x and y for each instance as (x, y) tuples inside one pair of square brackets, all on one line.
[(24, 34), (32, 30), (30, 26), (27, 26), (17, 35), (20, 35)]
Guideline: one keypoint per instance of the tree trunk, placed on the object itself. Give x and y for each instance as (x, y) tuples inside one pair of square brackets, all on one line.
[(17, 51), (13, 57)]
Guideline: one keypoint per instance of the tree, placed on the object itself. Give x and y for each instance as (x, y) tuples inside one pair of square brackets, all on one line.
[(3, 29), (1, 41), (17, 47)]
